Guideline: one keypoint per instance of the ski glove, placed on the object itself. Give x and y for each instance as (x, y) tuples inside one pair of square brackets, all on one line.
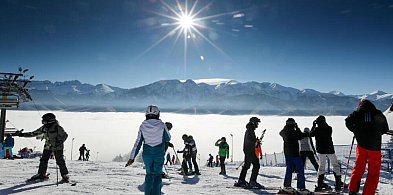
[(129, 162), (19, 133)]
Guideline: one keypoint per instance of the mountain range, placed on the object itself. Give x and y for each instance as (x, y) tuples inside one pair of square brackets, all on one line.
[(209, 96)]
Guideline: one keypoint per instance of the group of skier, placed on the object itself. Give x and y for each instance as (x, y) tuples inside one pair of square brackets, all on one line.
[(82, 155), (189, 156), (322, 132), (367, 123)]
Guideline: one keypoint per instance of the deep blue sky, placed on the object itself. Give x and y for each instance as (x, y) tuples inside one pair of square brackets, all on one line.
[(325, 45)]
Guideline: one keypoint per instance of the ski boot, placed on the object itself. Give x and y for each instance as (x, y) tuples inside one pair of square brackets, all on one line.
[(287, 190), (303, 191), (65, 179), (339, 183), (254, 185), (241, 183), (39, 177), (321, 185)]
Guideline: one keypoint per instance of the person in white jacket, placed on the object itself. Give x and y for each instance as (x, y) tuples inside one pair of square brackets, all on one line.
[(307, 150), (152, 134)]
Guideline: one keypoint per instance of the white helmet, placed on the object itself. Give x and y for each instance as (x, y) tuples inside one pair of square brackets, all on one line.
[(152, 110)]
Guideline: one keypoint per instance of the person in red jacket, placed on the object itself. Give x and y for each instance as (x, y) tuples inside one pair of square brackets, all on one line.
[(368, 125)]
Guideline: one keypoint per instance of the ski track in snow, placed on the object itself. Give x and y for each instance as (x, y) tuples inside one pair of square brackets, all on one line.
[(114, 178)]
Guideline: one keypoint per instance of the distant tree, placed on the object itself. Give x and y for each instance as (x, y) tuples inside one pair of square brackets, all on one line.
[(118, 158)]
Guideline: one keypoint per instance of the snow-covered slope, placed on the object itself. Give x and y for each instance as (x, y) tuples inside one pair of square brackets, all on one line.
[(109, 134), (114, 178)]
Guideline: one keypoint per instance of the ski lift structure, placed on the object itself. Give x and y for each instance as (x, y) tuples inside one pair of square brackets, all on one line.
[(12, 92)]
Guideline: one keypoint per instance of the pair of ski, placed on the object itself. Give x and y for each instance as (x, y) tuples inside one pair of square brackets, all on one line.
[(293, 191), (264, 188), (37, 180)]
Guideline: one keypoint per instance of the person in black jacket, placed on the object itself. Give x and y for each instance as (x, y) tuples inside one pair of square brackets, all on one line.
[(368, 125), (325, 149), (250, 157), (291, 134), (82, 150)]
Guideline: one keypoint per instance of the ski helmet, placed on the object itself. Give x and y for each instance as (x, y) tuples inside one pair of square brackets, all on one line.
[(48, 118), (255, 120), (168, 125), (152, 110)]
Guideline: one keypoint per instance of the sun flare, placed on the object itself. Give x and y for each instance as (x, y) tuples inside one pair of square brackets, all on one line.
[(186, 22), (189, 23)]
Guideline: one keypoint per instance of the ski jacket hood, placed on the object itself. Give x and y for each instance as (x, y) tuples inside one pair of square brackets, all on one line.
[(152, 131)]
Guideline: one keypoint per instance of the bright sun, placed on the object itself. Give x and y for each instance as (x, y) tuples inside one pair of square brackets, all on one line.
[(186, 22)]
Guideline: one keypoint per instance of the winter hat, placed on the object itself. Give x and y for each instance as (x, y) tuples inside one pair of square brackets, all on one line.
[(184, 136), (290, 121), (366, 105), (223, 138), (168, 125), (307, 130)]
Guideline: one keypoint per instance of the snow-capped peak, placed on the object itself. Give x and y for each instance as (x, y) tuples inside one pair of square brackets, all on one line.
[(338, 93), (377, 92), (309, 91), (215, 81), (103, 88)]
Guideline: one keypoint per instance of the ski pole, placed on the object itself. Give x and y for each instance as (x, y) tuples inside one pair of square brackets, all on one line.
[(240, 165), (57, 175), (177, 159), (349, 157)]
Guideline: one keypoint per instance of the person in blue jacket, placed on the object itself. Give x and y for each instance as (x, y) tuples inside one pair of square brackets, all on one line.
[(8, 145), (152, 134)]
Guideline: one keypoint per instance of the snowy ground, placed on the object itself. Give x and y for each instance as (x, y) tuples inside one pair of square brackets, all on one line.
[(114, 178)]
